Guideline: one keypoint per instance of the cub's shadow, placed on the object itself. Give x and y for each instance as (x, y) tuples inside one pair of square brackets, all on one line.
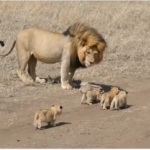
[(128, 106), (105, 87), (57, 125)]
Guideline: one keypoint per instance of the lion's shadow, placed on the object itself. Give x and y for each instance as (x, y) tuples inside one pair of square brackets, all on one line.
[(57, 80)]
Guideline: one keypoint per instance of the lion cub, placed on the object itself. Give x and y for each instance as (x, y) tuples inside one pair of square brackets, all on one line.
[(47, 115), (119, 101), (107, 97), (53, 80), (90, 94)]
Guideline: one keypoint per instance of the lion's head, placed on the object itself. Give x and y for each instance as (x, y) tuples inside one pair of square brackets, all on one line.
[(87, 44)]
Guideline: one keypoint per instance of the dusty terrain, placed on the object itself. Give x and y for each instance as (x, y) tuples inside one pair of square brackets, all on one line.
[(125, 26)]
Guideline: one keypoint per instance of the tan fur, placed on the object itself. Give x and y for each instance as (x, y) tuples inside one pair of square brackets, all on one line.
[(107, 97), (47, 116), (78, 46), (90, 94), (119, 101)]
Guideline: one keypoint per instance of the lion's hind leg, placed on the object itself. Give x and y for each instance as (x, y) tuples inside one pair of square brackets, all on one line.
[(23, 58), (31, 67), (31, 70)]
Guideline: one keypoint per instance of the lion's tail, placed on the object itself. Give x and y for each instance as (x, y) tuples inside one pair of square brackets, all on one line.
[(35, 122), (2, 43), (8, 52)]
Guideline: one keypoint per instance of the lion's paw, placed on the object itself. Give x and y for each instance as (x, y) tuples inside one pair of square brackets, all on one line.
[(112, 108), (28, 82), (66, 86), (39, 80)]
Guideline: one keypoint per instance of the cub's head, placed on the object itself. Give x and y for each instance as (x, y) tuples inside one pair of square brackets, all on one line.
[(57, 108), (115, 90), (123, 92), (84, 88)]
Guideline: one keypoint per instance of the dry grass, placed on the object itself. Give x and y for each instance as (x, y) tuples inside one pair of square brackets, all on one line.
[(124, 25)]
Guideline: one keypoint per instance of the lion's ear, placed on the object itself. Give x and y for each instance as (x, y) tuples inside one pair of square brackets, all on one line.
[(83, 42), (101, 46)]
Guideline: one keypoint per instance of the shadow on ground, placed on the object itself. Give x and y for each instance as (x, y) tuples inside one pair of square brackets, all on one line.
[(105, 87), (57, 125), (57, 80)]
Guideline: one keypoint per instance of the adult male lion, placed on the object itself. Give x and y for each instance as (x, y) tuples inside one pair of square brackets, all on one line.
[(78, 46)]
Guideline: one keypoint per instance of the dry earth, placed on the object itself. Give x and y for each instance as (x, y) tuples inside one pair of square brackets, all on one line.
[(125, 26)]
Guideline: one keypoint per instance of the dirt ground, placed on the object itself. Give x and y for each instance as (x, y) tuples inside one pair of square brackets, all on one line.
[(80, 126), (126, 62)]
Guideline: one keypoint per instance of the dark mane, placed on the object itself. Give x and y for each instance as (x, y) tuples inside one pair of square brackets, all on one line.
[(84, 33)]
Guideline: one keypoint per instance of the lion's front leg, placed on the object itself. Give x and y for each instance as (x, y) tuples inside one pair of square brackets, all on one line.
[(65, 66), (71, 74)]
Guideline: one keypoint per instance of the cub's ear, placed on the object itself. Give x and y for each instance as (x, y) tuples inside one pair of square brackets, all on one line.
[(53, 105), (127, 92), (119, 90), (61, 107)]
